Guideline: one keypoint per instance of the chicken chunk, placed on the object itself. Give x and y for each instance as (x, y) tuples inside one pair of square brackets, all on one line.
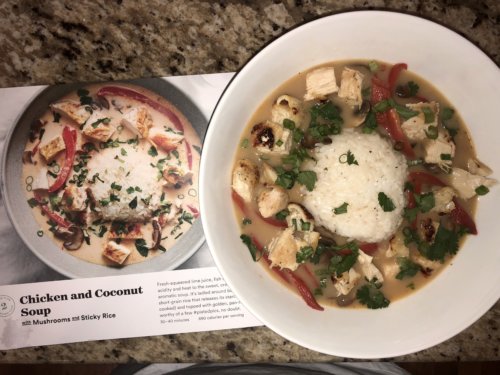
[(166, 141), (415, 128), (346, 281), (283, 248), (245, 178), (116, 252), (271, 200), (75, 198), (440, 151), (320, 83), (477, 167), (298, 216), (397, 247), (466, 183), (138, 120), (98, 128), (288, 107), (368, 268), (443, 200), (72, 110), (50, 149), (40, 180), (271, 138), (268, 175), (351, 84), (176, 176)]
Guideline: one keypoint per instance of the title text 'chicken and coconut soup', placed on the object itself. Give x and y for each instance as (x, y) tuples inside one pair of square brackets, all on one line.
[(111, 172), (355, 183)]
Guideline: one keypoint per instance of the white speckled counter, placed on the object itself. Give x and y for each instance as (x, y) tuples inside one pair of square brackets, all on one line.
[(58, 42)]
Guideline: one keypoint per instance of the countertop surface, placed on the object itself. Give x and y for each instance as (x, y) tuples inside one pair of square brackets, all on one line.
[(58, 42)]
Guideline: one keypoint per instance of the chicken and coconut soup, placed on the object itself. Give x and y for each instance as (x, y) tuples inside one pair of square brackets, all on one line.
[(355, 183), (111, 173)]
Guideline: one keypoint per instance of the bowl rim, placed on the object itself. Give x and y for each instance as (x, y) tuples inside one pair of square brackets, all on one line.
[(210, 237)]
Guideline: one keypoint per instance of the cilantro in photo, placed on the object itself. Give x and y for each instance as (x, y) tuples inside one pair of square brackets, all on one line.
[(348, 158), (407, 268), (428, 115), (370, 296), (304, 254), (370, 123), (425, 202), (411, 286), (104, 120), (405, 112), (343, 263), (383, 105), (133, 203), (102, 231), (325, 120), (123, 152), (482, 190), (385, 202), (279, 143), (296, 157), (432, 132), (104, 202), (113, 198), (342, 209), (251, 246), (246, 221), (152, 151), (308, 179), (85, 99), (175, 153), (447, 113), (305, 225), (288, 124), (410, 214), (297, 135), (282, 214), (445, 156), (412, 88), (115, 186), (32, 202), (373, 65), (445, 241), (142, 248), (286, 179), (130, 190)]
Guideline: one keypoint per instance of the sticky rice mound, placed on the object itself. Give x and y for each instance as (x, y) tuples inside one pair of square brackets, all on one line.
[(377, 168)]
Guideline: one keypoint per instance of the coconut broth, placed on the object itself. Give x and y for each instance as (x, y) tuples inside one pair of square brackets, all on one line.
[(187, 194), (263, 232)]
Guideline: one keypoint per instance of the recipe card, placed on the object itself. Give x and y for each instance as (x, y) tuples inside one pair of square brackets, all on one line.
[(100, 236)]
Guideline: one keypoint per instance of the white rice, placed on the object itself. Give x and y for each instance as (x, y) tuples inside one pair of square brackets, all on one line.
[(380, 169), (128, 171)]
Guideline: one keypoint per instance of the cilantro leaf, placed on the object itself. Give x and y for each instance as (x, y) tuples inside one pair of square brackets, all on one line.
[(308, 179), (372, 297), (428, 115), (282, 214), (325, 120), (342, 209), (370, 123), (407, 268), (152, 151), (140, 245), (385, 202), (342, 263), (447, 113), (446, 241), (305, 253), (286, 179), (251, 246), (425, 202)]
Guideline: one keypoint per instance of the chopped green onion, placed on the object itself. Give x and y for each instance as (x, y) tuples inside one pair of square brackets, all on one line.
[(482, 190)]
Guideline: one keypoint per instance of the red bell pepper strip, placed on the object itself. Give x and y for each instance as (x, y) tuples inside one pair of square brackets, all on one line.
[(420, 178), (461, 217), (303, 290), (310, 275), (394, 74), (194, 210), (389, 119), (368, 248), (59, 220), (289, 277), (128, 93), (69, 138)]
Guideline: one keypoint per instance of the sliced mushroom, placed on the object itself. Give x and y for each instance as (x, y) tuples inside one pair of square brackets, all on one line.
[(359, 114), (156, 234), (72, 236)]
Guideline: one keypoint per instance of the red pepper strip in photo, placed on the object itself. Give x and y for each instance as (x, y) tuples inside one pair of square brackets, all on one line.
[(461, 217), (194, 210), (238, 201), (290, 278), (389, 119), (368, 248), (394, 74), (131, 94), (50, 214), (69, 138), (420, 178)]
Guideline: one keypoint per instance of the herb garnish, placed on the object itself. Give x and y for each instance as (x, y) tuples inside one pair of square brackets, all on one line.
[(133, 203), (305, 253), (385, 202), (348, 158), (342, 263), (85, 99), (104, 120), (482, 190), (282, 214), (325, 120), (370, 295), (251, 246), (407, 268), (342, 209), (142, 248), (152, 151)]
